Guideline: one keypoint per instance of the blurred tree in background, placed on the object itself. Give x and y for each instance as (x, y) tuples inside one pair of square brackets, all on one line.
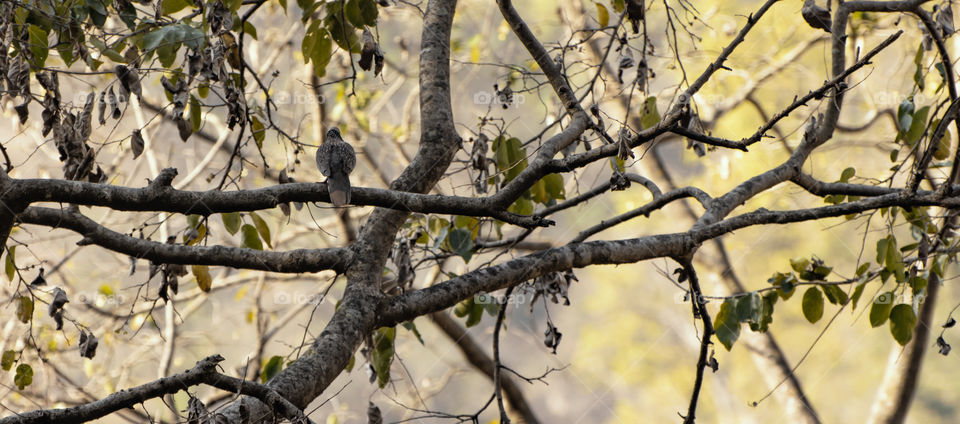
[(664, 210)]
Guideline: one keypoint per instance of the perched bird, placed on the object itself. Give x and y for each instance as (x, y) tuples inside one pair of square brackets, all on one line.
[(335, 160), (816, 16)]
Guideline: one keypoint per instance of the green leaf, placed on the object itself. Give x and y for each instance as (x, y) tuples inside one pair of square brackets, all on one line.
[(25, 309), (799, 264), (834, 294), (352, 12), (172, 35), (24, 376), (344, 34), (943, 146), (411, 327), (369, 12), (231, 221), (322, 52), (96, 6), (863, 268), (511, 157), (785, 282), (521, 206), (490, 303), (170, 7), (108, 52), (902, 322), (461, 242), (307, 6), (38, 44), (201, 234), (262, 228), (918, 74), (8, 359), (618, 6), (812, 305), (880, 310), (882, 250), (250, 30), (750, 308), (857, 292), (821, 271), (258, 130), (918, 284), (905, 115), (438, 228), (271, 368), (538, 192), (894, 259), (9, 264), (65, 48), (917, 126), (476, 313), (554, 185), (195, 119), (463, 308), (603, 15), (468, 223), (250, 237), (202, 274), (847, 174), (649, 116), (766, 313), (942, 72), (727, 326), (834, 199), (383, 354)]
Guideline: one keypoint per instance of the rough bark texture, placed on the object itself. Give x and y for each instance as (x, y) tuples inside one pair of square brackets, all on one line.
[(307, 377)]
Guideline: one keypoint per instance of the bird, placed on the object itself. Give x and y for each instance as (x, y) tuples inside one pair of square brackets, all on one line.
[(335, 160), (816, 16)]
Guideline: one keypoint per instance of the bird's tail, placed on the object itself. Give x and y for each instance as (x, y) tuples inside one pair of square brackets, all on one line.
[(338, 185)]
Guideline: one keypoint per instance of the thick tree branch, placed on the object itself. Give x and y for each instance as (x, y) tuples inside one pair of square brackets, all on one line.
[(160, 197), (205, 372), (307, 377), (293, 261), (578, 255)]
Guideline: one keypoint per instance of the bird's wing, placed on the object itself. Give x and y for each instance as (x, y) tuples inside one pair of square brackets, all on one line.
[(344, 155), (323, 159)]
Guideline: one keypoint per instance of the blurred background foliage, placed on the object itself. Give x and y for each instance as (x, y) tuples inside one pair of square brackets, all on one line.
[(629, 344)]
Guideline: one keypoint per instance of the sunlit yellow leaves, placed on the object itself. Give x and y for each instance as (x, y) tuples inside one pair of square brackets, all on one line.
[(202, 274)]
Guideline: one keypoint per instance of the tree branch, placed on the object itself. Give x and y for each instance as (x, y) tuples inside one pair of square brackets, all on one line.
[(205, 372), (293, 261), (160, 197)]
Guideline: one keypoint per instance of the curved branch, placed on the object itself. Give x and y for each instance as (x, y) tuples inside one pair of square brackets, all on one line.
[(578, 255), (645, 210), (293, 261), (575, 255), (205, 372), (596, 191)]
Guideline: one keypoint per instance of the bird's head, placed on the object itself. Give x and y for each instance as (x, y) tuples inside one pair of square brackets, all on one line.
[(334, 135)]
